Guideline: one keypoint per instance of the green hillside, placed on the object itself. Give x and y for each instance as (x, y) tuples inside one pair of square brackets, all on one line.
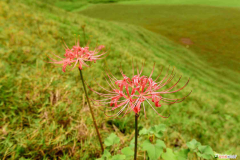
[(78, 5), (220, 3), (211, 32), (44, 114)]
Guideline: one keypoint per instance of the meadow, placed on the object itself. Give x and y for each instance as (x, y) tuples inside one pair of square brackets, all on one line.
[(219, 3), (202, 29), (44, 113)]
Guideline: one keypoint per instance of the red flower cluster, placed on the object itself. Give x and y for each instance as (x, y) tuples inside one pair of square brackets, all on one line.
[(79, 55), (131, 93)]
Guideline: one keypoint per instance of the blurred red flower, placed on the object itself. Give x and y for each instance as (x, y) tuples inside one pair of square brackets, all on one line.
[(78, 55)]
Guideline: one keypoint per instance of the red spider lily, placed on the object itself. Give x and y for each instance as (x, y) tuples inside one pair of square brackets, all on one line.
[(78, 55), (130, 94)]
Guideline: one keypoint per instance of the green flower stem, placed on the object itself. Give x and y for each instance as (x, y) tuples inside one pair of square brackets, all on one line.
[(89, 105), (136, 135), (84, 35)]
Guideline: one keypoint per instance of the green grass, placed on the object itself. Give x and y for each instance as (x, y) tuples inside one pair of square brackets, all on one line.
[(232, 3), (43, 111), (71, 6), (78, 5), (213, 32)]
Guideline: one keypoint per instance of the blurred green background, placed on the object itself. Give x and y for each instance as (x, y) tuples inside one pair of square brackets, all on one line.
[(44, 114)]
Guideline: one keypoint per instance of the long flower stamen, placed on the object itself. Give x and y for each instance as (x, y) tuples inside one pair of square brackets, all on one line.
[(155, 110)]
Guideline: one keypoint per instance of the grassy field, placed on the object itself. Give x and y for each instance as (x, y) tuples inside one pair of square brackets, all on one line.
[(212, 33), (223, 3), (44, 114), (79, 5)]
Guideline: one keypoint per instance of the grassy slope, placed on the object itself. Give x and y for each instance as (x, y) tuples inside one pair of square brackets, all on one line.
[(232, 3), (214, 32), (43, 112), (78, 5)]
